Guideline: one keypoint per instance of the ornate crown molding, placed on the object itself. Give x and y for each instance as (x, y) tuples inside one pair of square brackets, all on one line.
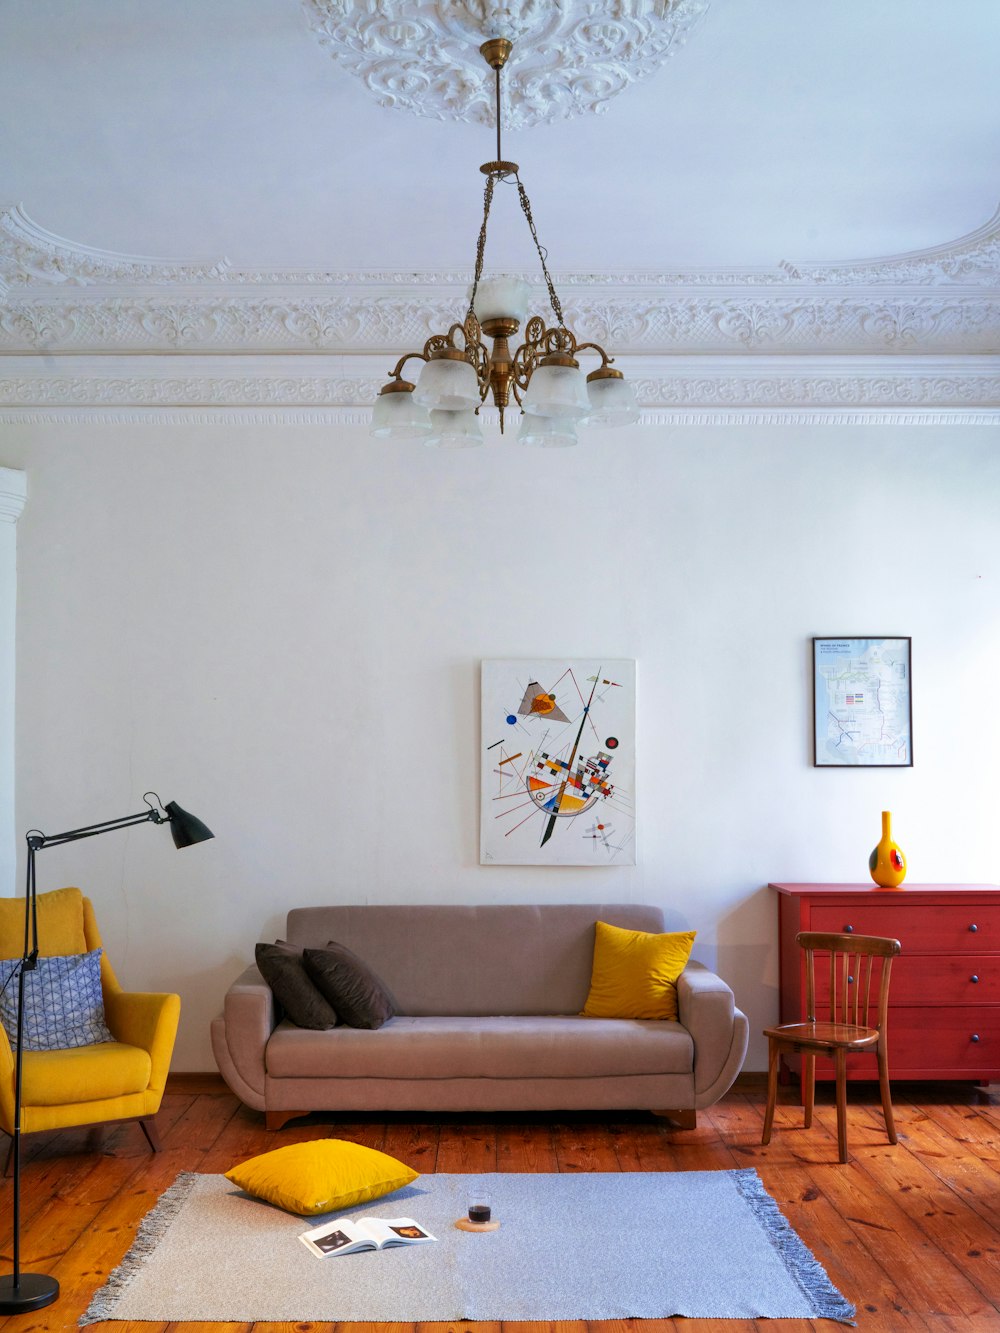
[(571, 57), (688, 390), (68, 302)]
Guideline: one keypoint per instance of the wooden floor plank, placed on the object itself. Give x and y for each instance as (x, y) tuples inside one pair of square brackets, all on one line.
[(895, 1228)]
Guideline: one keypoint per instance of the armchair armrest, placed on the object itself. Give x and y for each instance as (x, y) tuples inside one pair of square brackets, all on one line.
[(146, 1019), (240, 1035), (707, 1008)]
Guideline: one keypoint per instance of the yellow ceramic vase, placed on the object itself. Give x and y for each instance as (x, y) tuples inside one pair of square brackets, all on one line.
[(887, 863)]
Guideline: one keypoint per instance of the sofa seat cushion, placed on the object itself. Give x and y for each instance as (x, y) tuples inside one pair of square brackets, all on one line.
[(85, 1073), (563, 1046)]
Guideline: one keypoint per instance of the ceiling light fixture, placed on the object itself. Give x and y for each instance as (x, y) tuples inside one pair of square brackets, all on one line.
[(542, 375)]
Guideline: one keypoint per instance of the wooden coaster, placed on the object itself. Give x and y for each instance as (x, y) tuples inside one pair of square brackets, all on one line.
[(463, 1224)]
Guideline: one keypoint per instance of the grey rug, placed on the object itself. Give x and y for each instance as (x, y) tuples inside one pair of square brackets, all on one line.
[(708, 1244)]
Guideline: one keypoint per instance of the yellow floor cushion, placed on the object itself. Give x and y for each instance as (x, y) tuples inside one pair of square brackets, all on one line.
[(84, 1074)]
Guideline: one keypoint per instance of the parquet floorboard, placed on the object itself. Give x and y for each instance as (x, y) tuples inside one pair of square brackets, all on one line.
[(910, 1234)]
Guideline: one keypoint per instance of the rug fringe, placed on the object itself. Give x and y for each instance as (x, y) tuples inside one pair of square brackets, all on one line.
[(799, 1260), (152, 1228)]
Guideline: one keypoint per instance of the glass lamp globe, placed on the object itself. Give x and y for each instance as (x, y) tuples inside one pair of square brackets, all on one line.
[(454, 429), (502, 298), (557, 391), (547, 432), (396, 416), (612, 399), (447, 383)]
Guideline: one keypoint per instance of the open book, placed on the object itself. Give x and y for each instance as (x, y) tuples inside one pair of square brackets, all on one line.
[(367, 1233)]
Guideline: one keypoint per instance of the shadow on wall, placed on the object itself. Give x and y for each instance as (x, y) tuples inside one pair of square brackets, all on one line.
[(750, 968)]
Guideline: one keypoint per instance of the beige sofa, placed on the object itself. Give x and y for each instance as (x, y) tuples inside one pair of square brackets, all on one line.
[(489, 1002)]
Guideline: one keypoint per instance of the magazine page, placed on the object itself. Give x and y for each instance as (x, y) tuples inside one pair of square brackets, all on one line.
[(396, 1231)]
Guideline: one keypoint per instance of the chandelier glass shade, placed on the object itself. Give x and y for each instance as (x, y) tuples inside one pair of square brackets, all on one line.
[(541, 375)]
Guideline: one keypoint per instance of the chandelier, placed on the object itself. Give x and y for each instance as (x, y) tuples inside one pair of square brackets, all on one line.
[(542, 375)]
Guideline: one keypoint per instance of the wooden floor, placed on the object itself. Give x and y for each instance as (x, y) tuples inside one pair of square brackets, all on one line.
[(910, 1235)]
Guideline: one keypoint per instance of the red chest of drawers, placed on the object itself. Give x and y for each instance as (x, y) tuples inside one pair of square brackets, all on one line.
[(944, 1000)]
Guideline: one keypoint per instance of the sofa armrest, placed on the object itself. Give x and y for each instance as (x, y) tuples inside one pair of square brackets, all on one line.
[(147, 1019), (720, 1032), (240, 1035)]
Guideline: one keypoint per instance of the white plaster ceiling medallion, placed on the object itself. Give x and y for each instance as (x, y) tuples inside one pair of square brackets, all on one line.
[(570, 58)]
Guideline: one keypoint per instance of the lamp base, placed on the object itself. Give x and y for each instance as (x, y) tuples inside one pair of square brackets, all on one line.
[(32, 1292)]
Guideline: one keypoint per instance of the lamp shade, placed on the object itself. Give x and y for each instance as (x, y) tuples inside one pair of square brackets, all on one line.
[(502, 298), (396, 416), (547, 432), (447, 384), (186, 829), (454, 430), (557, 391), (612, 401)]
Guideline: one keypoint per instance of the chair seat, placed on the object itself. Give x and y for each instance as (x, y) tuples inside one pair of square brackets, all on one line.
[(84, 1073), (825, 1036)]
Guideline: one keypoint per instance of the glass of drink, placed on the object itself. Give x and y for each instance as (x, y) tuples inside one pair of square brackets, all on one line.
[(479, 1204)]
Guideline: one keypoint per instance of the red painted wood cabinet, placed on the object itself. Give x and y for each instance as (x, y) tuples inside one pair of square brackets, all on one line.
[(944, 1000)]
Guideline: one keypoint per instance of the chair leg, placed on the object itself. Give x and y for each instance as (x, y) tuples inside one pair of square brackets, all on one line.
[(772, 1089), (9, 1160), (152, 1134), (883, 1083), (808, 1088), (841, 1060)]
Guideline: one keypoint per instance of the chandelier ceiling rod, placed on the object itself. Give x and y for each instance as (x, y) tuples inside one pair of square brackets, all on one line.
[(542, 375)]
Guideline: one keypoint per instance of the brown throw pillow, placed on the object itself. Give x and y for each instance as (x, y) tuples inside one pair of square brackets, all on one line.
[(359, 996), (284, 973)]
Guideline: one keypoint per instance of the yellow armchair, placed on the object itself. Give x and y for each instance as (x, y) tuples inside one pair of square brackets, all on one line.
[(88, 1085)]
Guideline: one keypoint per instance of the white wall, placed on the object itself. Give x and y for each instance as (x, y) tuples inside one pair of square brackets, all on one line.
[(281, 628), (13, 489)]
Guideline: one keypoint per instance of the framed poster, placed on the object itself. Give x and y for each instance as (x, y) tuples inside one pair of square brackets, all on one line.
[(862, 703), (558, 762)]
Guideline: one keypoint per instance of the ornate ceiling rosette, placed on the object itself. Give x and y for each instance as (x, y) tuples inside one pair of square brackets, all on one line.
[(570, 56)]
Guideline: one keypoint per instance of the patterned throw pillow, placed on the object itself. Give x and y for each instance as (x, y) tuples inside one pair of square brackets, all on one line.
[(63, 1002)]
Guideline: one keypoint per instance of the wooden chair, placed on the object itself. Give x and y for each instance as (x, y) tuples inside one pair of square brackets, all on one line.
[(859, 967)]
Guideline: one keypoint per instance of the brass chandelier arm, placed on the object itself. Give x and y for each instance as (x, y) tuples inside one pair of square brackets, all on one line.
[(606, 360), (396, 375)]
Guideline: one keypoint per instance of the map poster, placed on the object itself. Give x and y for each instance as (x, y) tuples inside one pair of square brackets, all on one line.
[(863, 708), (558, 762)]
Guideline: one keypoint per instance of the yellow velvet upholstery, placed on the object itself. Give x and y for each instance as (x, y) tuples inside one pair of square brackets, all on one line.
[(119, 1080)]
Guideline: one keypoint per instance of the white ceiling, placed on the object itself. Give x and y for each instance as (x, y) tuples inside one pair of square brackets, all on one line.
[(781, 130)]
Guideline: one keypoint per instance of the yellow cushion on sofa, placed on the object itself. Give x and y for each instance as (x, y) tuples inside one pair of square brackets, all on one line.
[(635, 972), (321, 1176)]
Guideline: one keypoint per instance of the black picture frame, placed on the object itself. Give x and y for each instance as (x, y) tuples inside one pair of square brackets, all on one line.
[(862, 715)]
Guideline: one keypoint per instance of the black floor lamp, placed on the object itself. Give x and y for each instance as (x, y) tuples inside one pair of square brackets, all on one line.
[(21, 1292)]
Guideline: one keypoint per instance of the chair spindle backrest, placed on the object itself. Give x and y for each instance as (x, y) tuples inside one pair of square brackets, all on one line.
[(859, 972)]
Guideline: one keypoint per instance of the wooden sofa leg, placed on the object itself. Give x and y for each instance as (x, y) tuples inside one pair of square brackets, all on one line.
[(152, 1134), (680, 1119), (278, 1119)]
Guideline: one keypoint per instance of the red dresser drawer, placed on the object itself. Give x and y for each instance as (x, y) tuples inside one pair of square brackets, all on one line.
[(919, 927), (931, 1043), (941, 1043), (969, 979)]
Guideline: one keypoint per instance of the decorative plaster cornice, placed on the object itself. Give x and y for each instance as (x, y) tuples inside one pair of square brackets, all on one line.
[(62, 303), (693, 389), (13, 494), (570, 56)]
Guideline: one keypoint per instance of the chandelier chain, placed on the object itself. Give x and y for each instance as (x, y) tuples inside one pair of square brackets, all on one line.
[(542, 252), (481, 245)]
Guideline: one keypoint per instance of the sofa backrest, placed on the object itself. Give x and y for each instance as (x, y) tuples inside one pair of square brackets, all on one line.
[(474, 960)]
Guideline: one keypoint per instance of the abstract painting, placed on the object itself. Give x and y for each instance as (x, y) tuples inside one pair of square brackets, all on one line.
[(558, 762)]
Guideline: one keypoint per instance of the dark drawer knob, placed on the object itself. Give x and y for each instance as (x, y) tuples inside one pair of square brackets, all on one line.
[(974, 1037), (848, 930), (973, 927), (975, 980), (850, 981)]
